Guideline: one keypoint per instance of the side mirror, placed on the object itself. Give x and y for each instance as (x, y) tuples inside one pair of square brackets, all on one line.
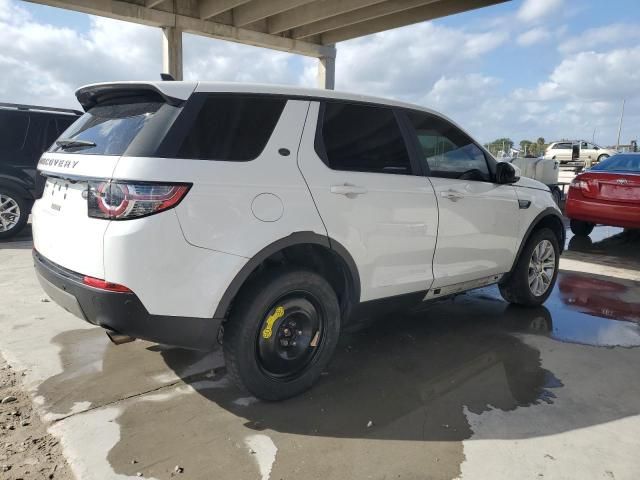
[(506, 173)]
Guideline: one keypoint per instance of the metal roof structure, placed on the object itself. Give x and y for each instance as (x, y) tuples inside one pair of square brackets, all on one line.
[(305, 27)]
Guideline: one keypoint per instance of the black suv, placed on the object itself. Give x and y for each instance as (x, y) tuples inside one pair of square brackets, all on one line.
[(25, 132)]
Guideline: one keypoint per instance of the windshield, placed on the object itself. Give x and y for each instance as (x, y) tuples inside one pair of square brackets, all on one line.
[(106, 129), (620, 163)]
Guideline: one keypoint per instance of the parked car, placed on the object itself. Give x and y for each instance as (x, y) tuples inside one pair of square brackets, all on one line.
[(608, 194), (26, 131), (578, 153), (268, 218)]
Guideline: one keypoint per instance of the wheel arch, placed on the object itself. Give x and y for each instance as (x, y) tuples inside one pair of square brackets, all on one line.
[(548, 218), (16, 187), (306, 249)]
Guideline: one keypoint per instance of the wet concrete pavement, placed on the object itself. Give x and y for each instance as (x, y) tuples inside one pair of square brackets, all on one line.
[(465, 388)]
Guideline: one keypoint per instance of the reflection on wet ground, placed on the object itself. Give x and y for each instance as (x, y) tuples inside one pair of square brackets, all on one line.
[(606, 246), (609, 241), (587, 309)]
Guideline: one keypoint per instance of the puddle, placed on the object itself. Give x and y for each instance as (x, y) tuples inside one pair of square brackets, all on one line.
[(586, 309), (610, 242)]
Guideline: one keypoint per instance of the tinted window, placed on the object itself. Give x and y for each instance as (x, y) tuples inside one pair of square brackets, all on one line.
[(619, 163), (232, 127), (62, 123), (13, 129), (112, 127), (562, 146), (363, 138), (447, 150)]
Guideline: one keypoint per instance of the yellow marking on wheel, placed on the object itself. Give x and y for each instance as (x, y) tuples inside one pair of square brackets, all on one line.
[(267, 332)]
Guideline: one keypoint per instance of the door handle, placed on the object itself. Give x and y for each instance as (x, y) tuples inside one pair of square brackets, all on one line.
[(348, 190), (452, 195)]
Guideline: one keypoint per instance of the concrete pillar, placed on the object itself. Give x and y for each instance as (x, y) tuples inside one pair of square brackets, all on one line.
[(172, 52), (327, 72)]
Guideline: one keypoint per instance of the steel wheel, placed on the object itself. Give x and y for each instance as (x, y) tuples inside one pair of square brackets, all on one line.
[(542, 267), (9, 213), (289, 336)]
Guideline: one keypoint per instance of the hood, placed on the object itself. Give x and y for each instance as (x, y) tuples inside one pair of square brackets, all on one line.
[(531, 183)]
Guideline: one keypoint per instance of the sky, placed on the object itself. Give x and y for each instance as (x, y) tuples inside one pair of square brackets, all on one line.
[(523, 69)]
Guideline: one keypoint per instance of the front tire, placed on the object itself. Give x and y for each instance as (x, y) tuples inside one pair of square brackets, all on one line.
[(580, 228), (14, 213), (602, 157), (534, 276), (282, 333)]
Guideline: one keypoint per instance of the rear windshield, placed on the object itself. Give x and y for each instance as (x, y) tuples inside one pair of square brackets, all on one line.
[(111, 128), (619, 163)]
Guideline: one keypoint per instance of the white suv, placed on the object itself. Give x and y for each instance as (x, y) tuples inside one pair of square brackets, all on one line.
[(268, 218)]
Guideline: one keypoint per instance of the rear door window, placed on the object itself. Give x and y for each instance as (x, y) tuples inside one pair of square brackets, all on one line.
[(362, 138), (232, 128), (111, 127), (13, 129)]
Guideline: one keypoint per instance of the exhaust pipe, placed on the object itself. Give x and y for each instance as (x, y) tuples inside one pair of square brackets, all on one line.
[(118, 338)]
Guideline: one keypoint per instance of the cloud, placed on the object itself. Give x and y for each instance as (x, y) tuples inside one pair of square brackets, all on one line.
[(209, 59), (533, 36), (618, 34), (535, 10), (407, 62), (44, 64), (592, 76)]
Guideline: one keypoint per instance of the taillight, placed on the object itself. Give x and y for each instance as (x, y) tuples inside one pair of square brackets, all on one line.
[(104, 285), (118, 200), (579, 184)]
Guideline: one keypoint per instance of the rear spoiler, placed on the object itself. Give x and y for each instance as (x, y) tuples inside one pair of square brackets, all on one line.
[(91, 95)]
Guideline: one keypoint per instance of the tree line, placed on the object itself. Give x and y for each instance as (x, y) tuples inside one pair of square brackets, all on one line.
[(527, 147)]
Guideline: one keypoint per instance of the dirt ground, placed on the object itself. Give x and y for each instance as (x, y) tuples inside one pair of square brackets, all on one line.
[(28, 451)]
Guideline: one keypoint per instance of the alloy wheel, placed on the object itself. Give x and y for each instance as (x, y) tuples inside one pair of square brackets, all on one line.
[(9, 213), (542, 266)]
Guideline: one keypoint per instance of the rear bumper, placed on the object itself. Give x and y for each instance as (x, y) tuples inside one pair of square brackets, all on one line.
[(122, 312), (605, 213)]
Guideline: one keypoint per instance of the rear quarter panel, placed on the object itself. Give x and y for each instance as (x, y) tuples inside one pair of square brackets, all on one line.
[(218, 212)]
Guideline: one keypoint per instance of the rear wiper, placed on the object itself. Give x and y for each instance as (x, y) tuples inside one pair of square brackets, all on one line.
[(65, 143)]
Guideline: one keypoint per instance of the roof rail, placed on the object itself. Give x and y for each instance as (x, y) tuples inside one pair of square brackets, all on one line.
[(21, 106)]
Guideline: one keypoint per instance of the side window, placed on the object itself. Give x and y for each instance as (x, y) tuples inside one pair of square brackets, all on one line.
[(562, 146), (448, 151), (13, 130), (363, 138), (232, 127)]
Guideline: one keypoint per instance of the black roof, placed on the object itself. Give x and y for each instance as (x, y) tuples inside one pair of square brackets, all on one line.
[(19, 106)]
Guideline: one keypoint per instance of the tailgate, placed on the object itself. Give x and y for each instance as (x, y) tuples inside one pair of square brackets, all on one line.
[(62, 230)]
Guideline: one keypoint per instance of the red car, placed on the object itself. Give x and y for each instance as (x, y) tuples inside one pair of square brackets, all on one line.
[(607, 194)]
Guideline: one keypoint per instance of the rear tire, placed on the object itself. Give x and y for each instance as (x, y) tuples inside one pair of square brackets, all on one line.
[(14, 213), (519, 288), (580, 228), (282, 333)]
